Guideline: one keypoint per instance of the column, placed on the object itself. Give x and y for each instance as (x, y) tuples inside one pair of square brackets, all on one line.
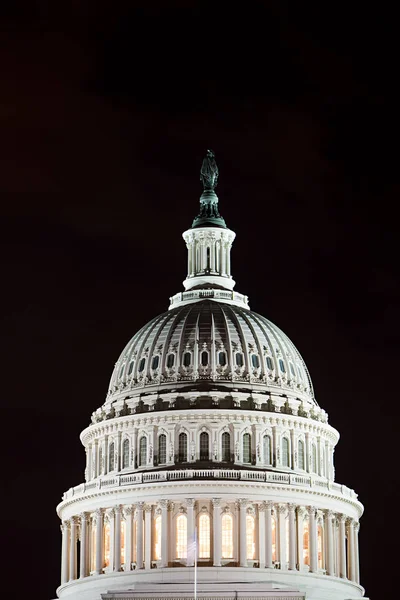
[(128, 513), (118, 451), (293, 453), (222, 262), (308, 450), (117, 552), (164, 533), (83, 567), (261, 535), (110, 517), (282, 513), (242, 532), (276, 443), (65, 525), (217, 533), (268, 535), (72, 549), (228, 258), (90, 462), (147, 540), (190, 530), (313, 542), (330, 562), (342, 547), (356, 530), (352, 561), (319, 456), (98, 515), (327, 474), (301, 512), (292, 537)]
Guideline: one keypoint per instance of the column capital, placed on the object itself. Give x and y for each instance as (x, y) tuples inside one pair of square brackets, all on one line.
[(312, 511), (282, 508), (109, 513), (171, 506), (128, 510), (84, 517), (65, 525), (139, 505), (351, 522), (242, 502), (301, 512), (356, 526), (216, 502), (163, 504), (148, 508), (117, 509), (262, 507), (342, 518), (291, 508), (75, 520), (98, 515), (190, 502), (329, 514)]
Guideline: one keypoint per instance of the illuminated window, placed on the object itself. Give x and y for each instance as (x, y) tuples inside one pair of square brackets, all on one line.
[(122, 542), (204, 446), (282, 366), (141, 364), (247, 448), (106, 544), (111, 457), (182, 447), (204, 536), (170, 361), (314, 459), (187, 359), (204, 359), (270, 366), (250, 537), (157, 538), (142, 451), (162, 449), (239, 359), (320, 547), (301, 454), (267, 449), (273, 527), (306, 543), (155, 362), (227, 536), (222, 359), (125, 454), (226, 446), (131, 367), (181, 536), (285, 452), (255, 361)]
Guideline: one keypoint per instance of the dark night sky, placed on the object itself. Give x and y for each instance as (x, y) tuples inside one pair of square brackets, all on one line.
[(106, 110)]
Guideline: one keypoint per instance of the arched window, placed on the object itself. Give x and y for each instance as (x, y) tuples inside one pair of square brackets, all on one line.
[(204, 358), (226, 446), (270, 366), (267, 449), (239, 359), (204, 446), (222, 359), (255, 361), (182, 447), (301, 454), (181, 536), (162, 449), (273, 527), (314, 459), (143, 451), (187, 359), (227, 536), (285, 452), (122, 542), (106, 544), (320, 534), (131, 367), (250, 537), (155, 362), (157, 538), (141, 364), (111, 457), (306, 540), (282, 366), (247, 448), (125, 454), (204, 536), (170, 361)]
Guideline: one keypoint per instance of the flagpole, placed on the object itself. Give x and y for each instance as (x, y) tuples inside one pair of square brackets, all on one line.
[(195, 563)]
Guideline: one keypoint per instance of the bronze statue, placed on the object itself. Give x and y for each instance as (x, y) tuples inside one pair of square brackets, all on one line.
[(209, 171)]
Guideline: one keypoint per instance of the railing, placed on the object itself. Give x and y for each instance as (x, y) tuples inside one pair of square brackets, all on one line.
[(115, 481), (218, 294)]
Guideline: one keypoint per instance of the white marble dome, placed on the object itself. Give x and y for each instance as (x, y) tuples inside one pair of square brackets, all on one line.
[(215, 343)]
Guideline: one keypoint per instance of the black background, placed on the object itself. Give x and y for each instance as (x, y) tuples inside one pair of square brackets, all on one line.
[(106, 111)]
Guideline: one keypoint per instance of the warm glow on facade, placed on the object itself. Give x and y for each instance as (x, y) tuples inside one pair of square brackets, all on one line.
[(250, 537), (181, 536), (227, 536), (306, 553), (157, 538), (204, 536), (106, 544)]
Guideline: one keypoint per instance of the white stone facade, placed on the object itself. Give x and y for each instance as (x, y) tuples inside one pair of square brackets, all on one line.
[(210, 425)]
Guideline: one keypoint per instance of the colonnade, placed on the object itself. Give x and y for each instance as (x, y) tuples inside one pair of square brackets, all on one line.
[(144, 536)]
